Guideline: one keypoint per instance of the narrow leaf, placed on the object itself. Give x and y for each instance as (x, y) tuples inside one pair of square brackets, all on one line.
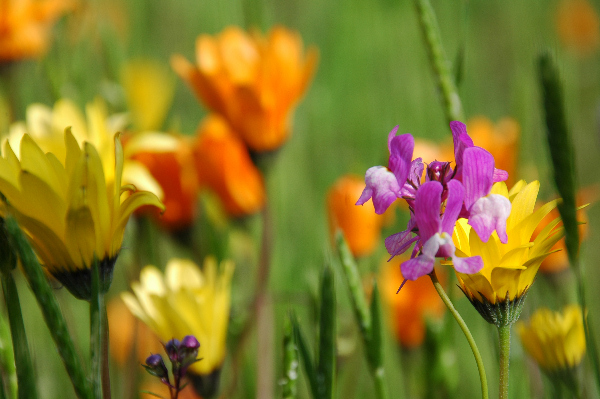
[(50, 309), (374, 344), (25, 375), (290, 362), (327, 335), (359, 302), (305, 355)]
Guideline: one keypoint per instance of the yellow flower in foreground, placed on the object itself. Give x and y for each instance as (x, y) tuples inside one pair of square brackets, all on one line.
[(252, 81), (71, 211), (508, 269), (46, 126), (556, 340), (25, 26), (186, 301)]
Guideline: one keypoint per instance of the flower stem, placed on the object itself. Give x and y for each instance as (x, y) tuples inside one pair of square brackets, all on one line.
[(465, 330), (50, 309), (96, 332), (439, 63), (504, 334)]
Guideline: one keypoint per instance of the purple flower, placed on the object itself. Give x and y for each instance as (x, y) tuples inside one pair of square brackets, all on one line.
[(486, 212), (435, 231), (384, 184)]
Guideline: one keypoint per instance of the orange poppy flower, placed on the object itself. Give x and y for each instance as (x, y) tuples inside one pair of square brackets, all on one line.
[(361, 226), (169, 160), (411, 306), (251, 80), (126, 331), (578, 26), (223, 165), (25, 26)]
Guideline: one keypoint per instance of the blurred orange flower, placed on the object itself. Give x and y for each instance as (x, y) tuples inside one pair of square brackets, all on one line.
[(559, 261), (126, 331), (578, 26), (500, 139), (25, 26), (224, 166), (251, 80), (361, 226), (169, 160), (411, 306)]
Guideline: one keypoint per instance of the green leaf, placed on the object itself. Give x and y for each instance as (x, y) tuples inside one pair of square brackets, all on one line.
[(305, 355), (290, 362), (374, 344), (359, 302), (327, 337), (561, 151), (50, 309), (25, 374)]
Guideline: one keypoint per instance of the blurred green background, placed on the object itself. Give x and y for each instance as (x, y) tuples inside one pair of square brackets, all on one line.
[(373, 74)]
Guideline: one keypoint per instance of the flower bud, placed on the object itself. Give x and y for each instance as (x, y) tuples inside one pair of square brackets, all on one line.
[(188, 351), (172, 349), (156, 366)]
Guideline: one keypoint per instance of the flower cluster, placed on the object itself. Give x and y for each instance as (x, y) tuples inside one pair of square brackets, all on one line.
[(182, 354), (437, 202)]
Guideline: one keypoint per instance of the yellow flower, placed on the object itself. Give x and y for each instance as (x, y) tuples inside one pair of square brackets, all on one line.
[(73, 209), (186, 301), (556, 340), (252, 81), (508, 269), (25, 26), (149, 91), (46, 126)]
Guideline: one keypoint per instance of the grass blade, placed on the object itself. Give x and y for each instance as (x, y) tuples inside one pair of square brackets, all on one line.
[(305, 355)]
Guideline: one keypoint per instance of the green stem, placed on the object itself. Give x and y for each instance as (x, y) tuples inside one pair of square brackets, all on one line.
[(105, 354), (380, 386), (96, 332), (504, 334), (50, 309), (8, 373), (439, 63), (465, 330), (25, 375)]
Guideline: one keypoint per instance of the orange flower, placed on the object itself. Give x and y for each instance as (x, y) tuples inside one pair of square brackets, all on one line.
[(408, 309), (501, 140), (361, 226), (578, 26), (559, 261), (252, 81), (25, 26), (125, 331), (169, 160), (224, 165)]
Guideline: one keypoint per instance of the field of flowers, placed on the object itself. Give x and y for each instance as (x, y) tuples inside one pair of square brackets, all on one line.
[(191, 204)]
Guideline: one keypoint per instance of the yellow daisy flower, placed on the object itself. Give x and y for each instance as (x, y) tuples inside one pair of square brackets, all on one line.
[(186, 301), (72, 210), (498, 290), (556, 340)]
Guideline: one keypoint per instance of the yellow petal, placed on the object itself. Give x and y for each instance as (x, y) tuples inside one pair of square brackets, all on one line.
[(523, 204), (34, 161), (80, 236)]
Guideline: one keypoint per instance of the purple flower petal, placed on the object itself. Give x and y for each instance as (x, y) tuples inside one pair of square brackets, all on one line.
[(500, 175), (469, 265), (489, 214), (401, 151), (382, 186), (427, 209), (478, 172), (456, 193), (400, 242), (391, 136), (414, 268), (461, 139)]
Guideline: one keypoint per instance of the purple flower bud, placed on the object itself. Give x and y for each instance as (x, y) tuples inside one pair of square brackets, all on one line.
[(172, 349), (188, 351), (156, 366)]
